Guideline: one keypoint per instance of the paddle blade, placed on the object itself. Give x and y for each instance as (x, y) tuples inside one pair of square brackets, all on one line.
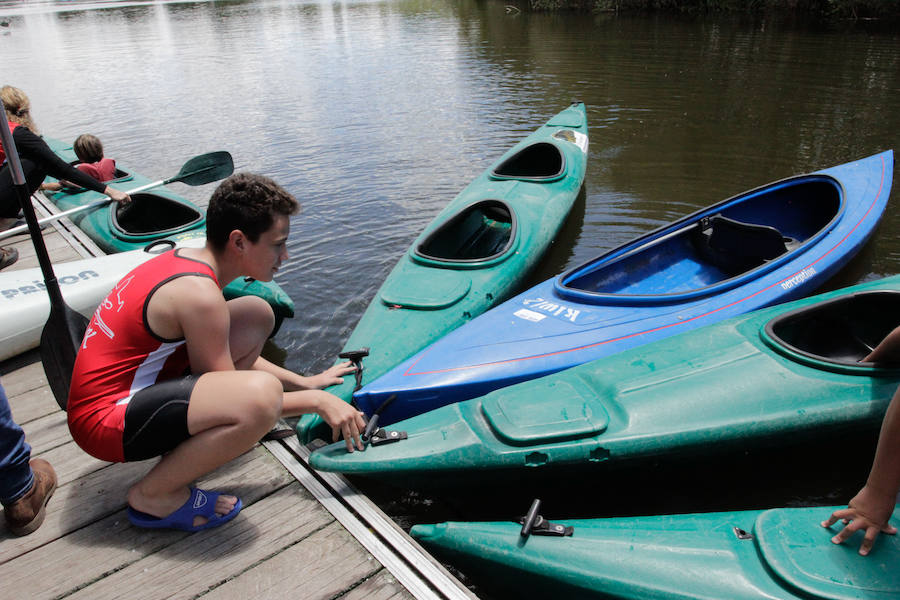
[(60, 341), (205, 168)]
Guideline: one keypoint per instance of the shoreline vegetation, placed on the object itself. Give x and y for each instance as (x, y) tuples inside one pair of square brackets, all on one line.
[(826, 9)]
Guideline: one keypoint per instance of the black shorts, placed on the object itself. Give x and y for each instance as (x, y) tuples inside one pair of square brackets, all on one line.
[(156, 419)]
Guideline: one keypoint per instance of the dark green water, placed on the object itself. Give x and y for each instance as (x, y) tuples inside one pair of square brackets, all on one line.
[(375, 114)]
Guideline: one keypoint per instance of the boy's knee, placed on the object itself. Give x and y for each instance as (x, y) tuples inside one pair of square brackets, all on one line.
[(265, 397)]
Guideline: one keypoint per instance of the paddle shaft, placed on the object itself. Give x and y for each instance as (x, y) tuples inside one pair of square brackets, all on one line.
[(18, 177), (91, 205), (199, 170)]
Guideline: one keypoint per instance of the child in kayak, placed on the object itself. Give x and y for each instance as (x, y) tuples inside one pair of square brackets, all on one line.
[(169, 368), (89, 150)]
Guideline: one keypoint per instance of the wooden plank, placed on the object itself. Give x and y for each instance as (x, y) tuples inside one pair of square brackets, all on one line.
[(77, 504), (102, 493), (47, 432), (417, 570), (23, 378), (83, 245), (381, 586), (111, 555), (70, 462), (32, 405), (318, 568)]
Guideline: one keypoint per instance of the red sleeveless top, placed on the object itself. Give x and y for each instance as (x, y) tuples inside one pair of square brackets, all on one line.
[(120, 355)]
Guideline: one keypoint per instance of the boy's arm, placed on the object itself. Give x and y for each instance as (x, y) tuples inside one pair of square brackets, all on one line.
[(294, 382), (195, 306)]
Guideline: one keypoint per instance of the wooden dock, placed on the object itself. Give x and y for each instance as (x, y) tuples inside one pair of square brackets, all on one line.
[(301, 534)]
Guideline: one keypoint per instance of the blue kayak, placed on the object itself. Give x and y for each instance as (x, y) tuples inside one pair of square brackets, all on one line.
[(771, 244)]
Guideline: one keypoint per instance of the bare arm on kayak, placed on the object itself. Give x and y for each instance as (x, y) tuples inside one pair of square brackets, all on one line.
[(34, 149), (871, 508), (888, 351)]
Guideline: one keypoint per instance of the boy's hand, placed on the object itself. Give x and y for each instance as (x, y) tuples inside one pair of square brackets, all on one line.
[(331, 376), (345, 421)]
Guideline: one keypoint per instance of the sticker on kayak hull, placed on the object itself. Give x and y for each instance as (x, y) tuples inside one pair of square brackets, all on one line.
[(574, 137), (548, 307), (529, 315)]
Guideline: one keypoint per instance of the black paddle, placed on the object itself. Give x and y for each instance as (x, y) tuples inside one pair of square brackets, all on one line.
[(199, 170), (65, 327)]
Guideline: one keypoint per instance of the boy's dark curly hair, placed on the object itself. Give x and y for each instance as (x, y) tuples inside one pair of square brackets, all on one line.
[(246, 202)]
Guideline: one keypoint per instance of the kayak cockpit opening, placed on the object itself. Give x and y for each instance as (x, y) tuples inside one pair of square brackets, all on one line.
[(149, 213), (540, 162), (480, 232), (719, 246), (842, 331)]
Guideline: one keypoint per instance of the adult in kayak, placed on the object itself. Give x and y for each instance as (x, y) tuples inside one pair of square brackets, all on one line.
[(169, 368), (38, 161), (871, 508)]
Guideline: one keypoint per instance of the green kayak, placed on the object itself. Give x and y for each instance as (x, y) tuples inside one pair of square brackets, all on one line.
[(782, 553), (152, 215), (779, 374), (474, 254)]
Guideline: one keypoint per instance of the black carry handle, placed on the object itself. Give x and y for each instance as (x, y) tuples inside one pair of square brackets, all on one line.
[(355, 357), (535, 524)]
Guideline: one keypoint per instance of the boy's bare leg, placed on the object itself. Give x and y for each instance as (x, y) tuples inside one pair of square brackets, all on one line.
[(229, 412), (252, 320)]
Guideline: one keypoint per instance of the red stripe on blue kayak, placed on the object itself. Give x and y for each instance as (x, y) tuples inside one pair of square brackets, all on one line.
[(410, 373)]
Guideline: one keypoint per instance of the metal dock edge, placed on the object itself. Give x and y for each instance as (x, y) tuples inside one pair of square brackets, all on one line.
[(406, 560)]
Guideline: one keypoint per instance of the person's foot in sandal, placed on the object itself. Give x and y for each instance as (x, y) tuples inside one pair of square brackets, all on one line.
[(197, 514), (8, 256)]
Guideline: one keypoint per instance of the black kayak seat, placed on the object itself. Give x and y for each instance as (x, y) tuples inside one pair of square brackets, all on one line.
[(736, 246), (479, 232)]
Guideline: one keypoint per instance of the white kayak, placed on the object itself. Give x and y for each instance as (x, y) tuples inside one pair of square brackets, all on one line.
[(25, 305)]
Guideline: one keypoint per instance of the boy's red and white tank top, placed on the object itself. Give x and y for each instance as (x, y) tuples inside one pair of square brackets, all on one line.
[(119, 354)]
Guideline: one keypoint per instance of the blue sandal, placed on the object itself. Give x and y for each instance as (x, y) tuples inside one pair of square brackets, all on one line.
[(201, 504)]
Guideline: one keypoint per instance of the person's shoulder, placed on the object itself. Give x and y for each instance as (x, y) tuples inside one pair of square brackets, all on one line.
[(22, 132), (196, 295)]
